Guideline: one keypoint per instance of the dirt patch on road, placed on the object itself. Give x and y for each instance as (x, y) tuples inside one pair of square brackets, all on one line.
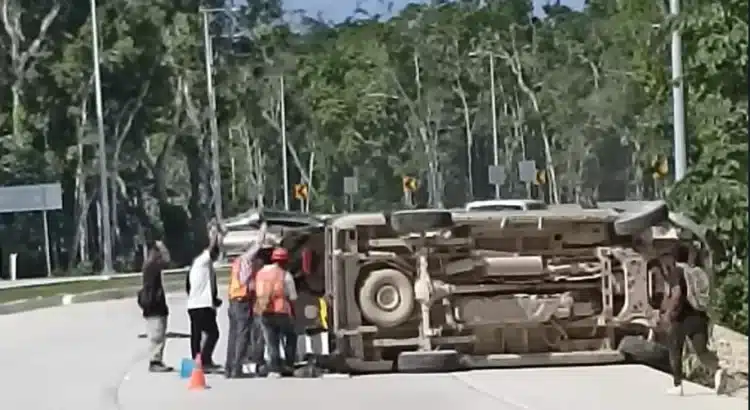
[(732, 349)]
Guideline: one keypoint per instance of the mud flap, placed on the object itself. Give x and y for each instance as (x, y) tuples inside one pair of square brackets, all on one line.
[(640, 218), (429, 362)]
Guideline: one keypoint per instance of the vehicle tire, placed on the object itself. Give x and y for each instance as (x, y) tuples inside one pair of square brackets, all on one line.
[(641, 351), (386, 297), (420, 220), (650, 214), (423, 362)]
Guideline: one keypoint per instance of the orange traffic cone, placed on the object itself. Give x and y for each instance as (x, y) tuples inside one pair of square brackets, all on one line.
[(197, 376)]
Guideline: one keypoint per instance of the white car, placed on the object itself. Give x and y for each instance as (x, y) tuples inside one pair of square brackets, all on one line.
[(506, 205)]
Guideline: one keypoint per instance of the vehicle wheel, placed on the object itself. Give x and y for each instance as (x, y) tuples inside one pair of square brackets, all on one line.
[(651, 214), (386, 297), (639, 350), (421, 220), (435, 361)]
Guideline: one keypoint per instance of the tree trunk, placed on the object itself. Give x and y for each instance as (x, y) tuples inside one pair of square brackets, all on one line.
[(469, 142), (83, 203), (16, 113)]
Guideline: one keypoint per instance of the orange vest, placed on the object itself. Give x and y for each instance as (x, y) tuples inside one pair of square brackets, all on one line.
[(269, 291), (237, 289)]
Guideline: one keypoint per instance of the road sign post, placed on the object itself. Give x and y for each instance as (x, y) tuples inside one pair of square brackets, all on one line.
[(351, 188), (497, 177), (301, 194), (28, 198), (527, 174)]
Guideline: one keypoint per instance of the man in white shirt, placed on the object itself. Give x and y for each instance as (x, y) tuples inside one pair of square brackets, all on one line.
[(203, 301)]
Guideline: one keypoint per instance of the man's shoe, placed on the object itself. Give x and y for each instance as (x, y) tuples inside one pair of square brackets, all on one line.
[(250, 368), (676, 391), (240, 373), (212, 368), (287, 371), (720, 381), (159, 367)]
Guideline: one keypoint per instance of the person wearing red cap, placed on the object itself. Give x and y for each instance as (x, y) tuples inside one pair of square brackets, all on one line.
[(274, 294)]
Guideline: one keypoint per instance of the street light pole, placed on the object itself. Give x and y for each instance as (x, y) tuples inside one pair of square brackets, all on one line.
[(284, 148), (213, 124), (495, 148), (678, 99), (103, 173)]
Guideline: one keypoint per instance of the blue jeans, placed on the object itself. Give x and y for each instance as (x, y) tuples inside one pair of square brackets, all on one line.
[(277, 328)]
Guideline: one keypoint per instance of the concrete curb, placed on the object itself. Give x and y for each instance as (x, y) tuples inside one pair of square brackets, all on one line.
[(43, 282), (86, 297)]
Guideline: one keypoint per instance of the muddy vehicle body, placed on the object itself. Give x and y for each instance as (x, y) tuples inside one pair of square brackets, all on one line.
[(440, 290)]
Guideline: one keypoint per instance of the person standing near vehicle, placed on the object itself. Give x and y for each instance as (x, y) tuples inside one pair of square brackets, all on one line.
[(274, 294), (684, 316), (240, 305), (203, 301), (153, 304)]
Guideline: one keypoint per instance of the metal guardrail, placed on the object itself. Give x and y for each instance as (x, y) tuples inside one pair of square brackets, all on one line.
[(42, 282)]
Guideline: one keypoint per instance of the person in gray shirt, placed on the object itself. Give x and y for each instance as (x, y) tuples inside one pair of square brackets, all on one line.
[(240, 305)]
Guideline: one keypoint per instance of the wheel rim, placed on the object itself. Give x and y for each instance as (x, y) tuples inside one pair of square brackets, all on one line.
[(387, 297)]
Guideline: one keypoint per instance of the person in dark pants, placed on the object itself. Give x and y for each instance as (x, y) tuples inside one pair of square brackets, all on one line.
[(682, 321), (202, 303), (153, 303), (274, 294), (257, 342), (240, 307)]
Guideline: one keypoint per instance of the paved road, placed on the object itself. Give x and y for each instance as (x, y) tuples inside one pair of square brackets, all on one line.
[(88, 357)]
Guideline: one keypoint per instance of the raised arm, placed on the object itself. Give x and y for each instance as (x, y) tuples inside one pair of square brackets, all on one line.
[(289, 287), (246, 261)]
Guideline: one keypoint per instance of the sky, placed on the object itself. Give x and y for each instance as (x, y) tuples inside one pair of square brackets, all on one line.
[(338, 10)]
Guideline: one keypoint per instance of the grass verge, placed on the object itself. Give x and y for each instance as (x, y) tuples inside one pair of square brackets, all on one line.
[(13, 295)]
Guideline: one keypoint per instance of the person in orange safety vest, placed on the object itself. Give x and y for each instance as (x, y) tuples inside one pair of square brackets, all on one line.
[(240, 304), (274, 294)]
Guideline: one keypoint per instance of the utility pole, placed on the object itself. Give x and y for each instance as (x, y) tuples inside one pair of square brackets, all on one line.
[(106, 218), (495, 153), (213, 124), (493, 107), (284, 155), (678, 99)]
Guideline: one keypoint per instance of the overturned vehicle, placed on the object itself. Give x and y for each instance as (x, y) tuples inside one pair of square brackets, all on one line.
[(425, 290)]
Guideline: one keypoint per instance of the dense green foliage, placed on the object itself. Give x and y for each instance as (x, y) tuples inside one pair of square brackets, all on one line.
[(585, 94)]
